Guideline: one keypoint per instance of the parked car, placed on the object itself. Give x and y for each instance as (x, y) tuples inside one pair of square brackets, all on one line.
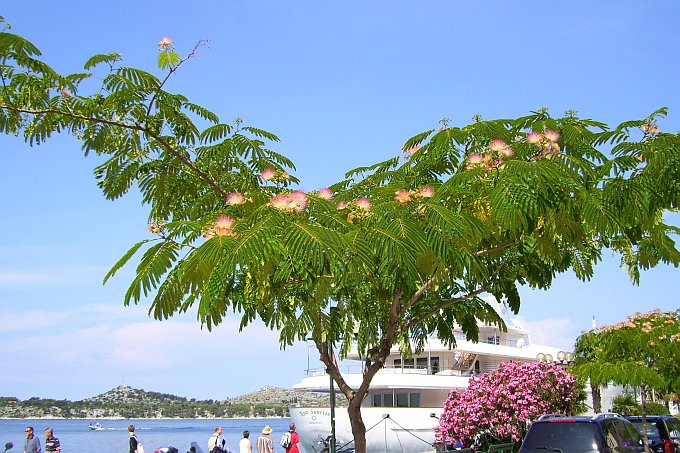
[(602, 433), (663, 432)]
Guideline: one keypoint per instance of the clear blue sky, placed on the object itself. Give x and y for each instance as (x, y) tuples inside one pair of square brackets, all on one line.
[(343, 84)]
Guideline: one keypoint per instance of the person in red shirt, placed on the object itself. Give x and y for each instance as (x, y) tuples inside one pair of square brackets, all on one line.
[(294, 440)]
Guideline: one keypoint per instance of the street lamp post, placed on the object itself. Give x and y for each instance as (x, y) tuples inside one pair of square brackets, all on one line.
[(332, 401)]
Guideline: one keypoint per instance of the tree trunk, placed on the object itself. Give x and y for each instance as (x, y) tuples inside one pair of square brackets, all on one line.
[(357, 423), (643, 406), (597, 398)]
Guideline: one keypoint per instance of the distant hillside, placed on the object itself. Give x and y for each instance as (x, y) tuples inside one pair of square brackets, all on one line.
[(126, 402)]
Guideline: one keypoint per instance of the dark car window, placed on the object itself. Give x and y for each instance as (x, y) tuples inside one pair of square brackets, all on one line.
[(611, 436), (633, 437), (568, 437), (652, 430), (621, 437), (673, 425)]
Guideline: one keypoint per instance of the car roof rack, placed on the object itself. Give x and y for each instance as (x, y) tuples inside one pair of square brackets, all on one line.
[(549, 416), (606, 415)]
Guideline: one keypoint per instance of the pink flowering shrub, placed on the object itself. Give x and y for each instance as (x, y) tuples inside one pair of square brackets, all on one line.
[(498, 406)]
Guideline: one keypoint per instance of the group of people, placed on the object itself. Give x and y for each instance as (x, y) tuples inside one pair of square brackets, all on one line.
[(264, 444), (33, 443)]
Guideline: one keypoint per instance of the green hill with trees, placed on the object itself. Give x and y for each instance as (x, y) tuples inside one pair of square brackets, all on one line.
[(126, 402)]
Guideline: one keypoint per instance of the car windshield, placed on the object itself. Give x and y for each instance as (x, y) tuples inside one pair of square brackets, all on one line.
[(568, 437)]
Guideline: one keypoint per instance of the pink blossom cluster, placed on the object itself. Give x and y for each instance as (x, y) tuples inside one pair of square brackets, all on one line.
[(656, 325), (409, 152), (404, 196), (235, 199), (155, 227), (325, 194), (492, 157), (358, 209), (500, 405), (277, 176), (223, 226), (165, 44), (547, 142), (650, 129), (295, 201)]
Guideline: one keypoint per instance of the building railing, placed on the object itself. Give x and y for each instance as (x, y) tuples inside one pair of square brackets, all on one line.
[(444, 365), (393, 369)]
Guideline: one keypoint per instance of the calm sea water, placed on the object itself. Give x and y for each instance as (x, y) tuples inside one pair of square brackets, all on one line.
[(76, 437)]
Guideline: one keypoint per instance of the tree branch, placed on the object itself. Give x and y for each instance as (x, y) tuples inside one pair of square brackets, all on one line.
[(498, 247), (172, 70), (164, 144), (434, 310)]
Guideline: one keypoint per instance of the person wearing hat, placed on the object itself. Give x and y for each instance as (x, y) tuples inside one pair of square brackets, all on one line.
[(265, 444)]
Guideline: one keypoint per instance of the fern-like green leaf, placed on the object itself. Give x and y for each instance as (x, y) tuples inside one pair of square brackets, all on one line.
[(109, 58), (124, 259)]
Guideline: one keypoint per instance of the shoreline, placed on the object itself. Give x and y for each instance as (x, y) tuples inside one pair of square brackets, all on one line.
[(141, 418)]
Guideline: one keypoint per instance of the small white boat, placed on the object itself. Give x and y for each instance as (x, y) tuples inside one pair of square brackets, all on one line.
[(96, 427)]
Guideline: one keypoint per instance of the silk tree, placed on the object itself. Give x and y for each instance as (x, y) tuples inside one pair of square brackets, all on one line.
[(585, 351), (642, 352), (397, 251)]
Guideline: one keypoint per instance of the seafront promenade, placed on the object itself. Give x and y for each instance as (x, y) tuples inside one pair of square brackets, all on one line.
[(75, 436)]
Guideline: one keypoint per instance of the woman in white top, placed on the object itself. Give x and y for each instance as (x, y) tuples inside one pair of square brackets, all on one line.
[(245, 446)]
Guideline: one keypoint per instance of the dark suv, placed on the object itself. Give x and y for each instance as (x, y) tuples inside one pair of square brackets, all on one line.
[(663, 432), (602, 433)]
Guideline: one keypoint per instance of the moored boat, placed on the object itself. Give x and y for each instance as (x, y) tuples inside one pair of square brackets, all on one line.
[(407, 396), (96, 427)]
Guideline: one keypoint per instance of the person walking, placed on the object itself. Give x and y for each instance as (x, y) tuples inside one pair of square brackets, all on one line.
[(133, 439), (265, 444), (32, 442), (216, 442), (294, 440), (51, 442), (245, 446)]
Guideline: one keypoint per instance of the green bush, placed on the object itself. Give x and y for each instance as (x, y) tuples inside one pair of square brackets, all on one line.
[(656, 409), (625, 404)]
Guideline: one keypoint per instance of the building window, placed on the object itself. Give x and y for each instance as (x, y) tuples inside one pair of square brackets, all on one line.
[(388, 400), (494, 340), (434, 363), (408, 363), (422, 364), (402, 400)]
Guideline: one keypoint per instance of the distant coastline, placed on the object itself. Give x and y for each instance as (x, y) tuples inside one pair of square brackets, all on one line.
[(140, 418), (124, 402)]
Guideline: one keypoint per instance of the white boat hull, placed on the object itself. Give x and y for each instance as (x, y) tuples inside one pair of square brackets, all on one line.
[(388, 429)]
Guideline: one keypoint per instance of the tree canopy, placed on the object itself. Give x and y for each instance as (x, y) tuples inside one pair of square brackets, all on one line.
[(643, 350), (395, 252)]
